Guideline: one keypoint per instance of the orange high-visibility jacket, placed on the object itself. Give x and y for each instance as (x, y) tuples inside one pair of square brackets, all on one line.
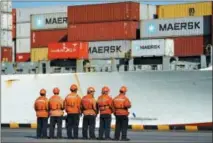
[(105, 105), (121, 104), (56, 106), (72, 103), (41, 106), (89, 105)]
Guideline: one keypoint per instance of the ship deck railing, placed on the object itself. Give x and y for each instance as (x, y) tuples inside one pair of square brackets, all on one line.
[(36, 68)]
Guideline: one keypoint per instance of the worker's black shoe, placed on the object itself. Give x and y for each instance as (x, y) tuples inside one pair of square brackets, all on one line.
[(108, 138), (125, 139), (44, 137), (116, 139), (93, 138), (84, 138), (100, 138)]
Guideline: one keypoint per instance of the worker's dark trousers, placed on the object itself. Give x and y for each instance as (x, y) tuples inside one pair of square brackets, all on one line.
[(105, 123), (72, 125), (53, 122), (42, 127), (121, 126), (89, 122)]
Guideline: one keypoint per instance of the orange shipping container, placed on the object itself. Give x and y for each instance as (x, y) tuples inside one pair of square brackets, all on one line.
[(6, 54), (22, 57), (44, 37), (191, 46), (124, 30), (14, 15), (68, 50), (123, 11), (14, 31)]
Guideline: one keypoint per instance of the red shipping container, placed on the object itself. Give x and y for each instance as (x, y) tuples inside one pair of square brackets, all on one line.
[(68, 50), (14, 31), (6, 54), (123, 11), (103, 31), (42, 38), (22, 57), (191, 46), (13, 15)]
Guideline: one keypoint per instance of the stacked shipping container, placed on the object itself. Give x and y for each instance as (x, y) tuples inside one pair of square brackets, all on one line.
[(109, 49), (6, 54), (23, 28), (6, 31), (178, 46), (123, 30), (13, 24), (107, 27), (97, 13), (97, 22), (191, 46), (189, 25), (68, 50), (156, 47), (198, 9), (185, 10), (22, 38), (14, 33), (45, 29)]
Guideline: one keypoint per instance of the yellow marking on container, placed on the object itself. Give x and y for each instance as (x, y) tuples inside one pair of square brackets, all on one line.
[(191, 128), (163, 127), (34, 125), (79, 85), (14, 125), (137, 127)]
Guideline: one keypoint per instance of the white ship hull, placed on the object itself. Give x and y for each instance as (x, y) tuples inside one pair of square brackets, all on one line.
[(158, 97)]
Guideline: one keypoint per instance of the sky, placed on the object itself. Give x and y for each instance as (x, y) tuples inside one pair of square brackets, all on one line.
[(40, 3)]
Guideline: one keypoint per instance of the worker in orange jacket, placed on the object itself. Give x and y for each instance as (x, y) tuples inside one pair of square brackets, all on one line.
[(105, 108), (121, 104), (56, 113), (41, 108), (72, 105), (89, 109)]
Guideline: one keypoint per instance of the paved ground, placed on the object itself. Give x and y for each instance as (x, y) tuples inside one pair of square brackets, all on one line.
[(28, 136)]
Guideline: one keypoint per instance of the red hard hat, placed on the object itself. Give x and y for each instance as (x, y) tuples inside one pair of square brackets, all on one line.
[(42, 91), (91, 89), (73, 87), (105, 89), (123, 89), (56, 90)]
